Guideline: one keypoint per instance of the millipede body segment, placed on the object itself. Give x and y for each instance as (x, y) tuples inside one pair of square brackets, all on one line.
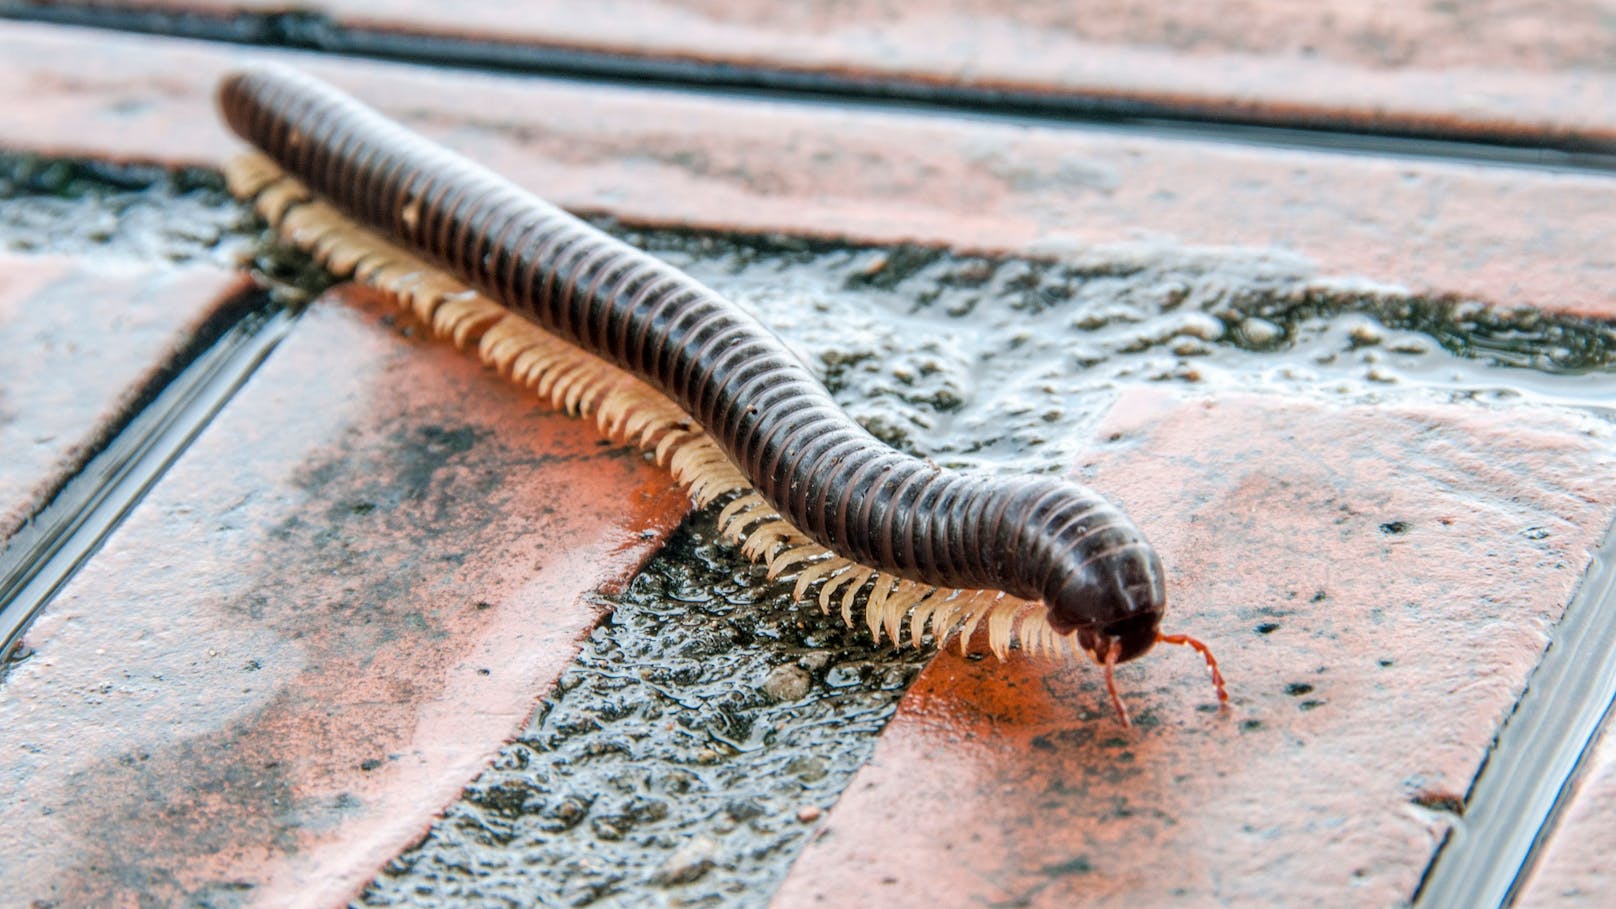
[(812, 492)]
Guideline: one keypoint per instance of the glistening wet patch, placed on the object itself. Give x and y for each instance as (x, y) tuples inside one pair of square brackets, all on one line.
[(1007, 364), (690, 749), (100, 210), (136, 211)]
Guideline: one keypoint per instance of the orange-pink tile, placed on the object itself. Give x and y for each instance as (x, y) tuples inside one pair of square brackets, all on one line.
[(1378, 581), (1492, 68), (83, 341), (318, 627), (1500, 235)]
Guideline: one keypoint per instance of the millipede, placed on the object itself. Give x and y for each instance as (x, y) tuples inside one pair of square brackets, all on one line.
[(604, 331)]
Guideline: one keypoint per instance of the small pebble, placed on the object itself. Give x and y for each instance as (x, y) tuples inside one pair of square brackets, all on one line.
[(845, 675), (787, 683), (809, 813), (808, 769), (815, 660), (689, 862), (1260, 332), (1202, 326), (1366, 333), (570, 811)]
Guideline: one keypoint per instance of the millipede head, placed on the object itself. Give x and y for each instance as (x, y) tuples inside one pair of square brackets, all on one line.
[(1097, 575), (1115, 597), (1131, 638)]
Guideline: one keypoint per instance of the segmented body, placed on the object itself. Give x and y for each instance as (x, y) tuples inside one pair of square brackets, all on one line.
[(829, 476), (913, 539)]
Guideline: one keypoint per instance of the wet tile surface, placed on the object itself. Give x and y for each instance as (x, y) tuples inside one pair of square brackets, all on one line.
[(276, 672), (144, 214), (1492, 68), (82, 340), (314, 632), (1377, 581), (1500, 235)]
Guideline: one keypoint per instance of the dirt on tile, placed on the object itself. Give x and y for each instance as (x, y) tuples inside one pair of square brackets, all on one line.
[(679, 755)]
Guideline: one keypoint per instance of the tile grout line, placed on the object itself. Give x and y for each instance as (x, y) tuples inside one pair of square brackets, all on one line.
[(42, 557), (1536, 760), (317, 33)]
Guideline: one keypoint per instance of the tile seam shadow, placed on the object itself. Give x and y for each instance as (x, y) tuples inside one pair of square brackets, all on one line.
[(67, 531), (1531, 772)]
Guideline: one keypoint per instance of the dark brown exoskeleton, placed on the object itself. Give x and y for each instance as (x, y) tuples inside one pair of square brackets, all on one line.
[(1036, 538)]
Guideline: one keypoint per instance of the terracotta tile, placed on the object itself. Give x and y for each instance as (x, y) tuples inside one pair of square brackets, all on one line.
[(1377, 580), (1503, 235), (1493, 68), (83, 340), (1574, 870), (314, 632)]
